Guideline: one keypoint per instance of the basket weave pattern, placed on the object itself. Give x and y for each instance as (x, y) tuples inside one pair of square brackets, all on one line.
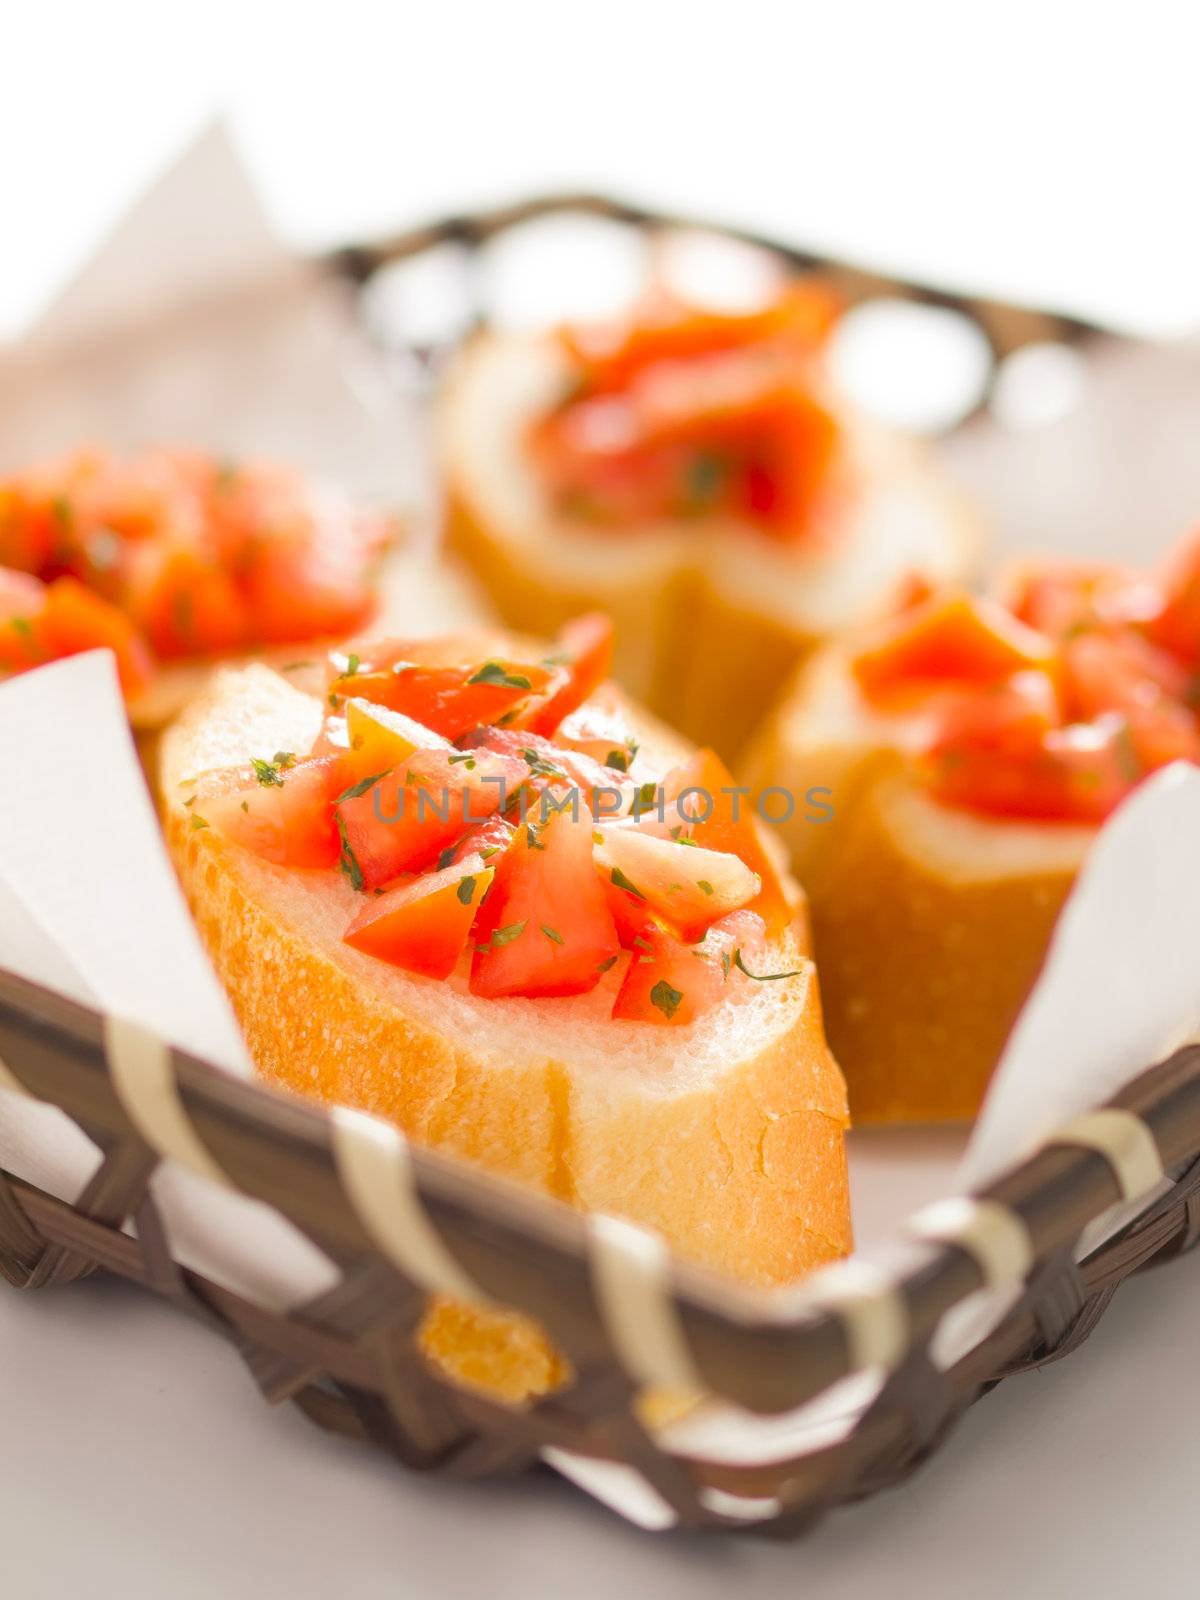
[(349, 1359)]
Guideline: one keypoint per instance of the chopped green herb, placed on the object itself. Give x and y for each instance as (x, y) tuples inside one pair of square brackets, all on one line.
[(492, 672), (647, 795), (284, 759), (606, 965), (191, 800), (553, 933), (198, 821), (466, 890), (246, 806), (446, 857), (703, 883), (357, 790), (531, 837), (297, 666), (761, 977), (23, 626), (622, 882), (503, 936), (539, 765), (348, 861), (666, 999), (267, 774), (335, 700), (618, 760)]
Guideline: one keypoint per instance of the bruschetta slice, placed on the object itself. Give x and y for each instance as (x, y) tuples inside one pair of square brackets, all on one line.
[(176, 560), (468, 887), (697, 476), (965, 752)]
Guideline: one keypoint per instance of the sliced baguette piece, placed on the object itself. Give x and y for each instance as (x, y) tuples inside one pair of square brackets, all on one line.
[(930, 923), (710, 616), (725, 1135)]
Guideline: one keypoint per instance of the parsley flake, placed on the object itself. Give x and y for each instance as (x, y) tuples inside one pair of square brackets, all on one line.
[(666, 999), (492, 672), (622, 882)]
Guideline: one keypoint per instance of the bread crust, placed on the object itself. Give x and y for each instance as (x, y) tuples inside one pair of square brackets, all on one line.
[(741, 1166), (690, 646), (930, 924)]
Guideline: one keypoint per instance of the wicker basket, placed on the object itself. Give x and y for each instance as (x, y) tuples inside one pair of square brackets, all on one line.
[(401, 1224), (624, 1313)]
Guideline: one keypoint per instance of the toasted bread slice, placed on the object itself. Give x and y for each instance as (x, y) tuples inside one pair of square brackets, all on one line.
[(726, 1134), (930, 923), (710, 616)]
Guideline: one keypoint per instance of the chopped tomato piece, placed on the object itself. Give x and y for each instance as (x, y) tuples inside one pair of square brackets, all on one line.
[(379, 739), (450, 699), (75, 620), (664, 328), (1006, 718), (1079, 773), (1059, 598), (604, 735), (686, 885), (952, 638), (484, 839), (704, 801), (1176, 626), (602, 790), (546, 928), (423, 925), (1122, 672), (22, 604), (403, 820), (281, 809), (671, 981), (585, 646), (186, 603)]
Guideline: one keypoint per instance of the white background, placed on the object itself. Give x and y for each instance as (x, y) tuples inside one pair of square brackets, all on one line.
[(1046, 152)]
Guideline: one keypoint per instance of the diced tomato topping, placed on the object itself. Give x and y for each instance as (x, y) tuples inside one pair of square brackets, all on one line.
[(450, 697), (1176, 624), (185, 603), (1060, 598), (604, 735), (487, 840), (664, 328), (378, 739), (703, 800), (1077, 773), (546, 928), (200, 559), (74, 620), (280, 809), (22, 604), (952, 639), (686, 885), (603, 790), (682, 412), (402, 821), (671, 981), (584, 648), (423, 925)]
